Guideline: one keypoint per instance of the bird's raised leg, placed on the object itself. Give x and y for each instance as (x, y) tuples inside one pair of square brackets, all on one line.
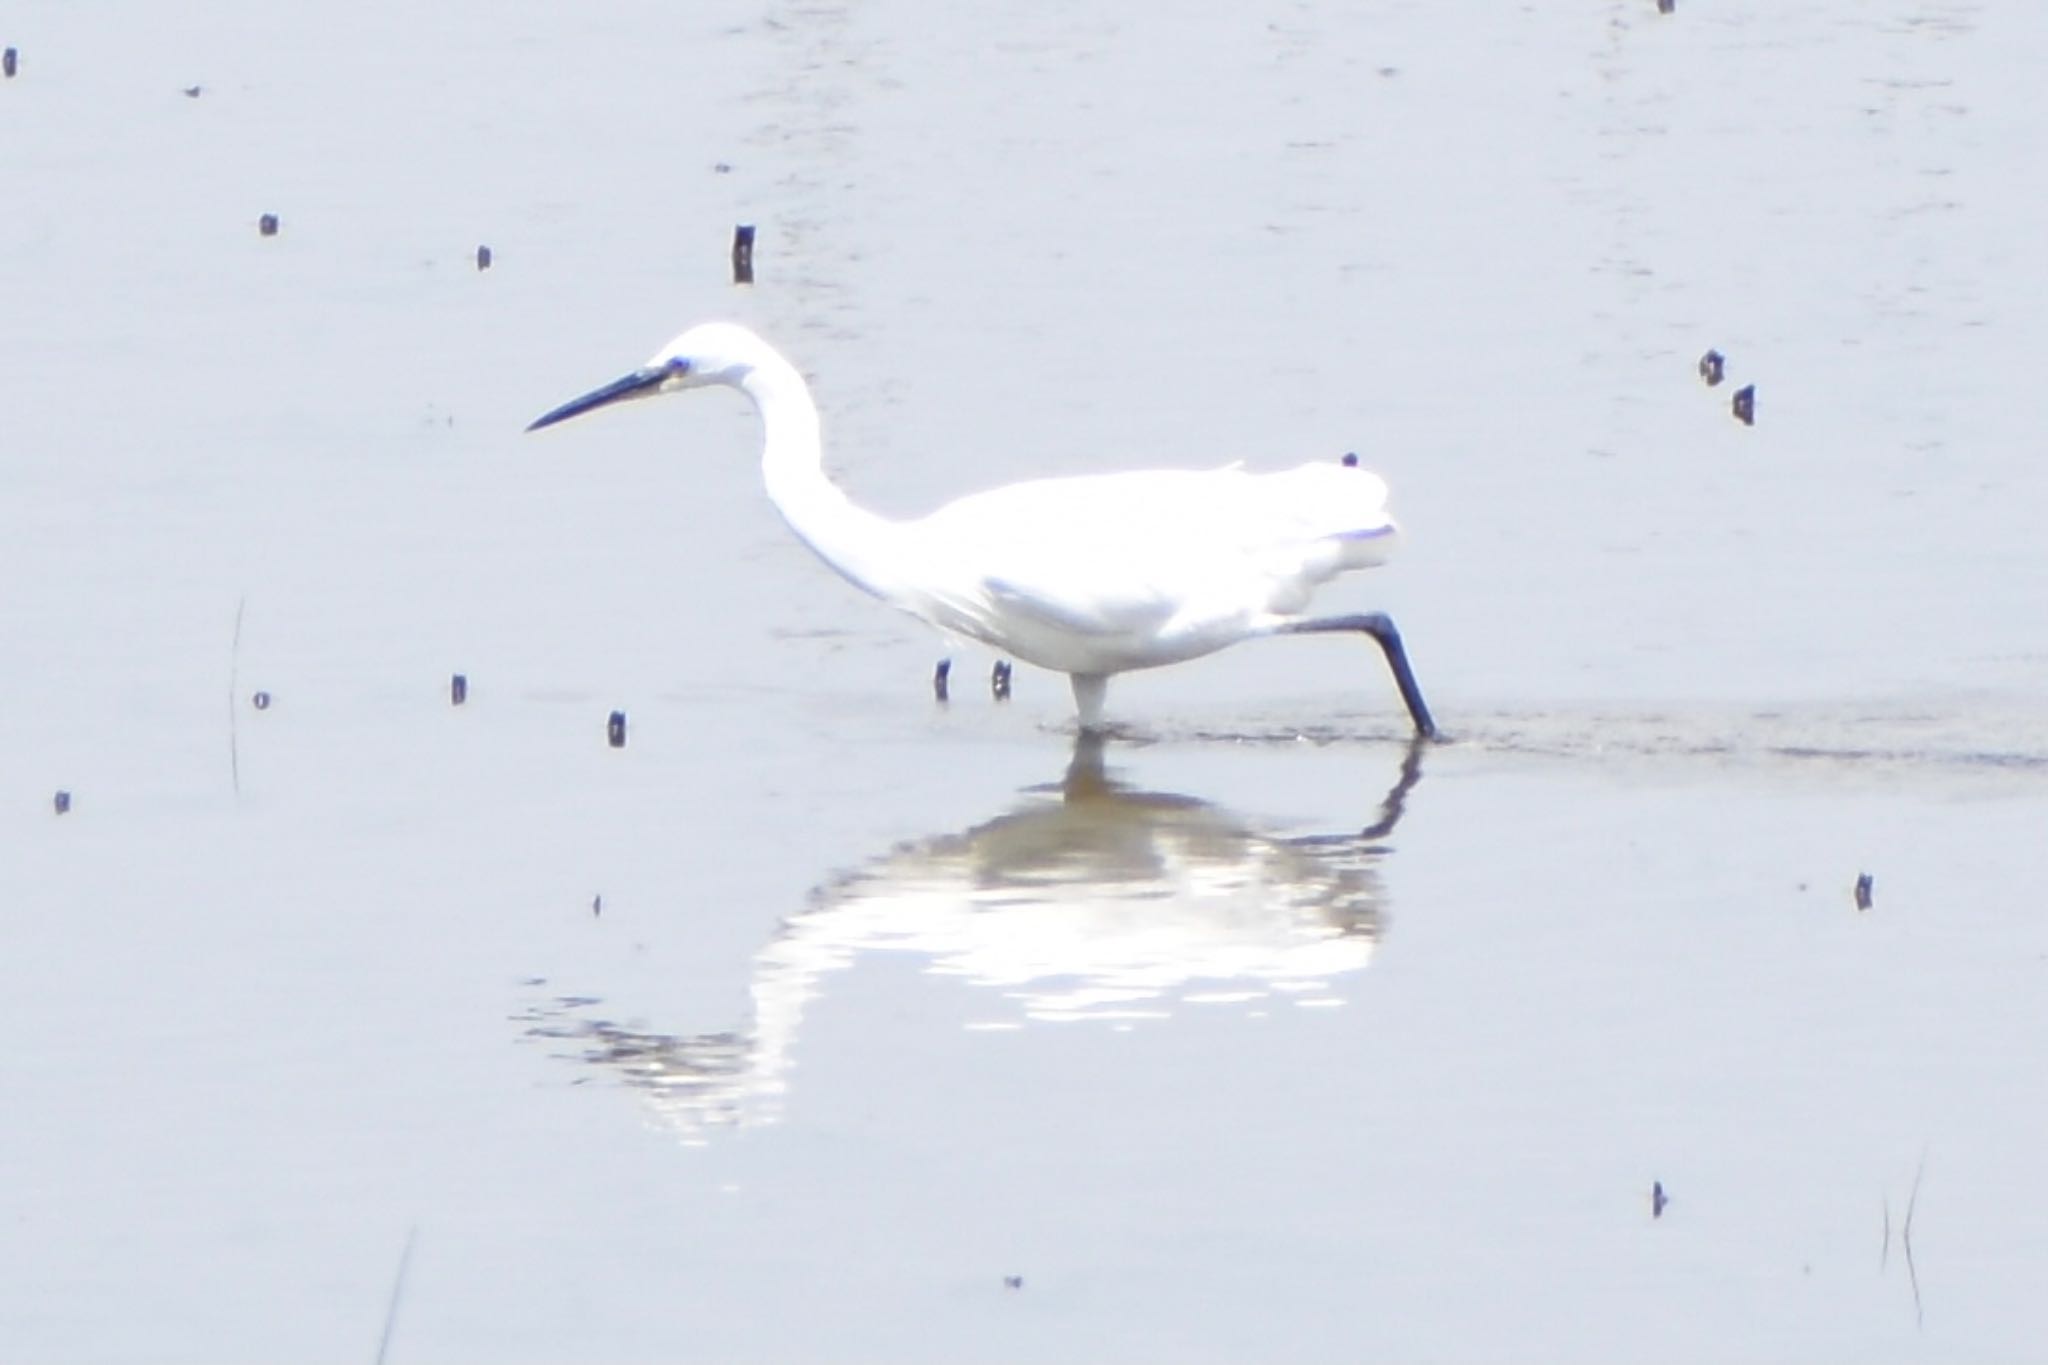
[(1381, 627), (939, 676)]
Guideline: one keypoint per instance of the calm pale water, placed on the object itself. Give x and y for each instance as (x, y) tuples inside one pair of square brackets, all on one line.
[(823, 1023)]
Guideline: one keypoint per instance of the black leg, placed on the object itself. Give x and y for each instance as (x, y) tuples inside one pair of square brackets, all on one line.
[(939, 675), (1381, 627), (999, 680)]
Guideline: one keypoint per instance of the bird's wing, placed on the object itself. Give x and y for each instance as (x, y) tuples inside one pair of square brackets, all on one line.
[(1081, 609), (1127, 554)]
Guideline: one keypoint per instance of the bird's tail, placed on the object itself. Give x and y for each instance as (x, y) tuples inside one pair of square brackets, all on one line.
[(1334, 519)]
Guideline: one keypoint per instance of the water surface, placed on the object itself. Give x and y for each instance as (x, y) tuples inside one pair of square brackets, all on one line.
[(800, 1025)]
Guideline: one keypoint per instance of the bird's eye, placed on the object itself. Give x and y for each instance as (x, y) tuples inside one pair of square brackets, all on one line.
[(679, 364)]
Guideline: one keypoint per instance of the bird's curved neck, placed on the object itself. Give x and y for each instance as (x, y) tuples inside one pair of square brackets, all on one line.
[(853, 540)]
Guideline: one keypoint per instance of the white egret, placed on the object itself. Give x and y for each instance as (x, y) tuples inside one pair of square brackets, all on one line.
[(1088, 576)]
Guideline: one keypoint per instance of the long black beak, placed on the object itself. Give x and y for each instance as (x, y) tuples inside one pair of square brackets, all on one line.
[(635, 385)]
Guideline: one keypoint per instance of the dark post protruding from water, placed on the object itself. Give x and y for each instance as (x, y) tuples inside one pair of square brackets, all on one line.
[(615, 730), (939, 676), (193, 92), (999, 680), (9, 60), (261, 701), (483, 258), (62, 800), (1711, 367), (1864, 885), (1744, 406), (743, 254), (267, 225), (1658, 1199), (1667, 6), (458, 689)]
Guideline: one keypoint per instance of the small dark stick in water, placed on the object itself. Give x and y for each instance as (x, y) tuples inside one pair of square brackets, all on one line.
[(397, 1293), (1666, 6), (939, 676), (62, 802), (1711, 367), (615, 730), (458, 689), (1658, 1199), (261, 701), (1864, 885), (192, 92), (9, 61), (1744, 405), (1013, 1281), (999, 680), (267, 225), (483, 258), (743, 254)]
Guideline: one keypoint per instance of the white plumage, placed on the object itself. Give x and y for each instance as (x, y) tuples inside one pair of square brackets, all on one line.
[(1087, 576)]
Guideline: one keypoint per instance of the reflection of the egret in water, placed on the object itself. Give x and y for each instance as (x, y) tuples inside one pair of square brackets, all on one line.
[(1089, 901)]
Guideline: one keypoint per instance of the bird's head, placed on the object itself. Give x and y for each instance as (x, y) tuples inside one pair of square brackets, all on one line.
[(709, 353)]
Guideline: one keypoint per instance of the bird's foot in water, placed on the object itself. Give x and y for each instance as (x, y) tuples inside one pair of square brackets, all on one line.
[(1117, 732)]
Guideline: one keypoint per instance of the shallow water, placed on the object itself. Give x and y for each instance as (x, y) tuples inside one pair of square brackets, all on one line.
[(796, 1026)]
